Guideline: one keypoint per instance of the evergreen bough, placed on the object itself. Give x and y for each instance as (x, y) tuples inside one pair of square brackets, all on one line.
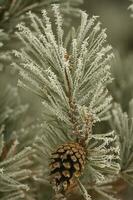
[(70, 75)]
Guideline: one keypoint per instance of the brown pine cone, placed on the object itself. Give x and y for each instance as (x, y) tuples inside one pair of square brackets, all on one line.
[(67, 163)]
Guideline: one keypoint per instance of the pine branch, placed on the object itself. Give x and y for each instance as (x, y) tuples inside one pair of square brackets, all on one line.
[(123, 125), (15, 158), (11, 12), (50, 60), (14, 170), (71, 82)]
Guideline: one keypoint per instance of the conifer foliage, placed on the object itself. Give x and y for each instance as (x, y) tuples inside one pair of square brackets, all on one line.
[(80, 146), (14, 163), (71, 78), (122, 123)]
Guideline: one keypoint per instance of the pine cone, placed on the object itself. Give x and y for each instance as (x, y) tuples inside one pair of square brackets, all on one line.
[(67, 163)]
